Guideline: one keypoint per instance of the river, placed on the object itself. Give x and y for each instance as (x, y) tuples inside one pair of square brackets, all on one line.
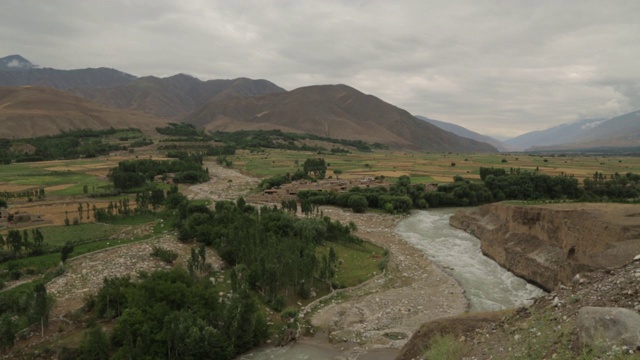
[(487, 285)]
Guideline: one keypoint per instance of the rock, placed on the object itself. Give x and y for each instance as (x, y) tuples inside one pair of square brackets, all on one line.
[(600, 328), (576, 279), (636, 258), (288, 336)]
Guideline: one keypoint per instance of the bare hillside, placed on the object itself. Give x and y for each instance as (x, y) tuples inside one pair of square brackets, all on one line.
[(336, 111), (36, 111)]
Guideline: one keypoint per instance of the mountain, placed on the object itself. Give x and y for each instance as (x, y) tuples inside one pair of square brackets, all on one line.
[(619, 132), (561, 134), (336, 111), (64, 79), (36, 111), (15, 63), (464, 132), (173, 97)]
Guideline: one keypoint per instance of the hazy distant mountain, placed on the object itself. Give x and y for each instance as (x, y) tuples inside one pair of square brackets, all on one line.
[(172, 97), (619, 132), (35, 111), (464, 132), (18, 71), (15, 63), (176, 96), (561, 134), (337, 111)]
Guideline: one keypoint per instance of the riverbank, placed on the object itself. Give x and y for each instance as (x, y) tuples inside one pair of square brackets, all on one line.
[(374, 320), (384, 313)]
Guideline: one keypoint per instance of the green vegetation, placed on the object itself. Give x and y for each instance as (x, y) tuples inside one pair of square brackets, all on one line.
[(173, 314), (165, 255), (276, 139), (498, 185), (180, 129), (444, 347), (21, 307), (67, 145), (135, 174), (274, 251)]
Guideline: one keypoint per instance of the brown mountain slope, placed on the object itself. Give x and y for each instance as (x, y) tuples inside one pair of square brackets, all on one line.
[(35, 111), (336, 111), (173, 97)]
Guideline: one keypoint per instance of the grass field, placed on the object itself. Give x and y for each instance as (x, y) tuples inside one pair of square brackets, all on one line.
[(359, 262), (59, 235), (431, 167), (54, 174)]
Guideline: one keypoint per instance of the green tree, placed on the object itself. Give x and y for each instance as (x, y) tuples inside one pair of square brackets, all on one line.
[(337, 173), (316, 166), (7, 331), (66, 250), (95, 345), (40, 307), (38, 238), (358, 203), (14, 239)]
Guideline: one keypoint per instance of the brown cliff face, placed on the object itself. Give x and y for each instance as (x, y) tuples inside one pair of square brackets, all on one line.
[(550, 244)]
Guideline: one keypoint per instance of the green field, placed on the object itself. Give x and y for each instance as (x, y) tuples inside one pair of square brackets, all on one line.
[(359, 262), (431, 167), (59, 235), (75, 173)]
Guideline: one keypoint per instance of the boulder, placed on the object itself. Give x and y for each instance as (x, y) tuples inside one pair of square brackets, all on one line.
[(601, 328)]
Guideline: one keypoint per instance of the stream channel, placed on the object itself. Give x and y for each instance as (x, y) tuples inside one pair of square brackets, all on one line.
[(487, 285)]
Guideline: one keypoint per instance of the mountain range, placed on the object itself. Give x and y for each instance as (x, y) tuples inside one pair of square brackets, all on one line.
[(42, 101), (337, 111), (332, 110), (464, 132), (618, 132)]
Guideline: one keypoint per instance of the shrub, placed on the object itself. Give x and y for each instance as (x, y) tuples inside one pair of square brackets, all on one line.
[(289, 313), (444, 348), (163, 254), (358, 203)]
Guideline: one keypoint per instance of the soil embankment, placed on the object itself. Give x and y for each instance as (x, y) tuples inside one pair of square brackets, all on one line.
[(550, 244)]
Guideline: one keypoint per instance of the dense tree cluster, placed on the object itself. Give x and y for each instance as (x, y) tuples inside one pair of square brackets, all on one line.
[(180, 129), (400, 197), (131, 174), (615, 186), (498, 185), (20, 308), (67, 145), (276, 139), (276, 250), (171, 314)]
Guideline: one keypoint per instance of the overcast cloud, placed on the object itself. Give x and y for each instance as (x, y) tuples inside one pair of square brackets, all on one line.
[(497, 67)]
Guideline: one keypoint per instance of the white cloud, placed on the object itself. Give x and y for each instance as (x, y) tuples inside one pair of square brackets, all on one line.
[(493, 66)]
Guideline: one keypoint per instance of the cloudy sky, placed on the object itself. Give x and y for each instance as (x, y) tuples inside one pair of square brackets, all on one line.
[(497, 67)]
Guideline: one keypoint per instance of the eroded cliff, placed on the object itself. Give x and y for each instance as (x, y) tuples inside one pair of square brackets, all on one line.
[(550, 244)]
